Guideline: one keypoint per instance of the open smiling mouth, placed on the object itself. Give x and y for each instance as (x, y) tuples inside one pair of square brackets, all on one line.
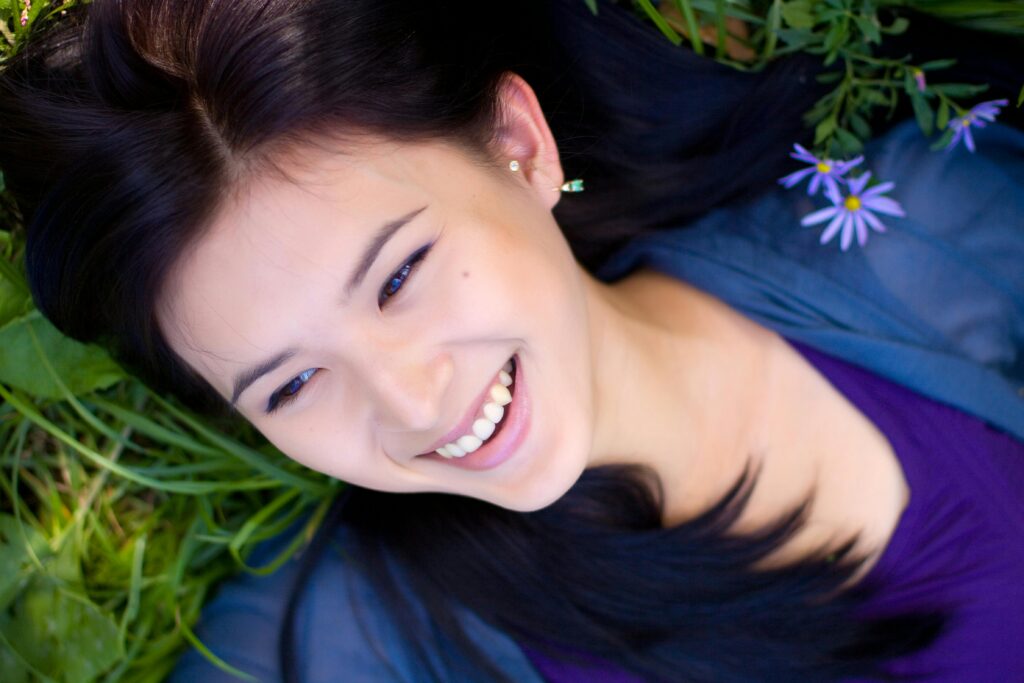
[(495, 429)]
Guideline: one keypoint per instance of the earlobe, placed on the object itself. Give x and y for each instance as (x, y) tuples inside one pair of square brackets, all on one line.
[(524, 136)]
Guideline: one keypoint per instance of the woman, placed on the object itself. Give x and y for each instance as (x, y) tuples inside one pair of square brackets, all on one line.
[(337, 219)]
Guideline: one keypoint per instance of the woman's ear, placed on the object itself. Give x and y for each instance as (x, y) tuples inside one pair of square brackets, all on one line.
[(524, 135)]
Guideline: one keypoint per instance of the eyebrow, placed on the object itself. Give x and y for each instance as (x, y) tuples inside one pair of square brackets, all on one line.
[(245, 378), (384, 233), (250, 375)]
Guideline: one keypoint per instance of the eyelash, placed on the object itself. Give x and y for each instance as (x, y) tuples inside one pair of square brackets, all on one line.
[(281, 397), (400, 276)]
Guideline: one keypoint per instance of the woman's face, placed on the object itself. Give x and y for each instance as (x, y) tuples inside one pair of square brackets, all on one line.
[(360, 313)]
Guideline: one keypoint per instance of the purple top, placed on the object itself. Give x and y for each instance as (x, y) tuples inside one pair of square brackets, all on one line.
[(959, 544)]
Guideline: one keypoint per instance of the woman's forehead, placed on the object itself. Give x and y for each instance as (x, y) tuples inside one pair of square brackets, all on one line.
[(325, 198), (348, 192), (280, 246)]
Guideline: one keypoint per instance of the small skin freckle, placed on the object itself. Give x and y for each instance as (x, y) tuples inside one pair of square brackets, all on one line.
[(465, 273)]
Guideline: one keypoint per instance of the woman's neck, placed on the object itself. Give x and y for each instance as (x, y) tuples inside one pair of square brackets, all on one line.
[(679, 379)]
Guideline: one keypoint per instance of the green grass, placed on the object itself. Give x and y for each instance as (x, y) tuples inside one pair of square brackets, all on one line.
[(122, 512)]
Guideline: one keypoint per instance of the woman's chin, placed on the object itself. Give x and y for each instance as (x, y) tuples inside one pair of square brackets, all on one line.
[(540, 488)]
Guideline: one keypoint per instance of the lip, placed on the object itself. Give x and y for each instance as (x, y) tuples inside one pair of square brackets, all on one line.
[(504, 444), (466, 423)]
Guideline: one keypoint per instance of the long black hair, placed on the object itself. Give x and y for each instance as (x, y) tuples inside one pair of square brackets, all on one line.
[(125, 124)]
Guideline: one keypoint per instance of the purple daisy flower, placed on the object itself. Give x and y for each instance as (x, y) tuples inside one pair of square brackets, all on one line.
[(853, 213), (825, 170), (976, 117)]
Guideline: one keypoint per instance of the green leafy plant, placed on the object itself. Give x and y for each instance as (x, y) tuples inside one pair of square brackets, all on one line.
[(846, 35)]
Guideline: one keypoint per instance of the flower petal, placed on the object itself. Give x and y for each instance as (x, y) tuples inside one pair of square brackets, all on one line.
[(878, 189), (844, 166), (794, 178), (812, 188), (831, 186), (969, 139), (872, 220), (833, 194), (847, 236), (883, 205), (819, 216), (990, 108), (857, 184), (803, 155), (832, 228), (862, 230)]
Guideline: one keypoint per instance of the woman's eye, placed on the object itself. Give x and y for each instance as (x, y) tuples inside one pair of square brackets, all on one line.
[(395, 283), (399, 277), (290, 390)]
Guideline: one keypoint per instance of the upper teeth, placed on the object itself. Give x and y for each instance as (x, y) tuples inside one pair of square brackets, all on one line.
[(485, 423)]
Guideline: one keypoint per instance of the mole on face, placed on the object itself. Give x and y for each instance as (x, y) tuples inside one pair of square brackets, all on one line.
[(465, 273)]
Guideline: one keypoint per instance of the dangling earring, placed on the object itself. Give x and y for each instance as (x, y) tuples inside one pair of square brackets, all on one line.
[(574, 185)]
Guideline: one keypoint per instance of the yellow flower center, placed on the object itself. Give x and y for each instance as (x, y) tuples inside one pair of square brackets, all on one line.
[(852, 203), (967, 120), (823, 167)]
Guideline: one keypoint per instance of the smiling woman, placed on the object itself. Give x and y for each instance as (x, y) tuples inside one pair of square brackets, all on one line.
[(344, 222)]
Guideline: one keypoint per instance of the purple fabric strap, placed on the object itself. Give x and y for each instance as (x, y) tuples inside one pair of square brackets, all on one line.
[(959, 545)]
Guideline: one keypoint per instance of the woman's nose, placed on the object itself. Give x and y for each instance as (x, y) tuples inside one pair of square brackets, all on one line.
[(409, 393)]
